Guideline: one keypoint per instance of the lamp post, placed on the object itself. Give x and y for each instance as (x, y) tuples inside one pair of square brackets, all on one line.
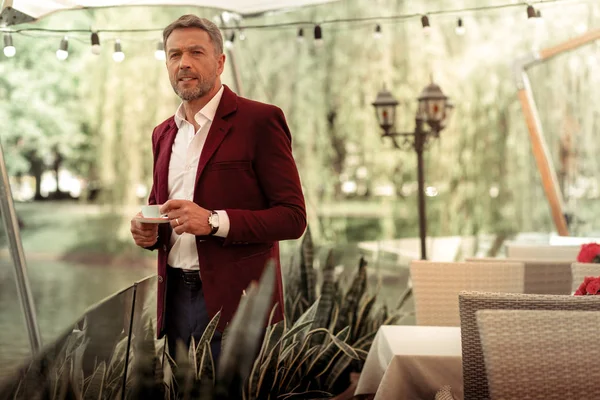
[(433, 111)]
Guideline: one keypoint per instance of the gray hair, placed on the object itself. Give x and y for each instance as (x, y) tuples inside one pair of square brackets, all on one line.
[(192, 21)]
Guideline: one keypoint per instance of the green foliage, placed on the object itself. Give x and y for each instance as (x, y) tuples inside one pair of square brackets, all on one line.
[(309, 355), (94, 112)]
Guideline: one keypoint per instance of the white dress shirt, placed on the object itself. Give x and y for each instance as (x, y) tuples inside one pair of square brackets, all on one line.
[(183, 166)]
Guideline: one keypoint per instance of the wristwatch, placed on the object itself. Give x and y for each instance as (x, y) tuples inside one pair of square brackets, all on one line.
[(213, 222)]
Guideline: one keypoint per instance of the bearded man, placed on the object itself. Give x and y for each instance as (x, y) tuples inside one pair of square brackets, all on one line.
[(225, 176)]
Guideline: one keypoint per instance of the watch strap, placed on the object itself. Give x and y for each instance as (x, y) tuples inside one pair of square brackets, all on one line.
[(213, 228)]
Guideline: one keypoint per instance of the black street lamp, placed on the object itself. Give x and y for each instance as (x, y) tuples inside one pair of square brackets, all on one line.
[(434, 111)]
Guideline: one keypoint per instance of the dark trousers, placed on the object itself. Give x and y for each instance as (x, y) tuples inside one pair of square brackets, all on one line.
[(185, 312)]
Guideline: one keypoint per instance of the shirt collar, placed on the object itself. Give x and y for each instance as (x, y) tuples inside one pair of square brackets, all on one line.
[(207, 112)]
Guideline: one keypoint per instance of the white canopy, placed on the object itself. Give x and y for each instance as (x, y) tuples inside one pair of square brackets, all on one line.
[(20, 11)]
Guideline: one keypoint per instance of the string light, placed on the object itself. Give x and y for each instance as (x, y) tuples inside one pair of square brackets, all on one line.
[(300, 36), (229, 41), (95, 39), (118, 55), (538, 17), (9, 48), (377, 34), (460, 29), (425, 24), (532, 14), (159, 53), (318, 35), (63, 49)]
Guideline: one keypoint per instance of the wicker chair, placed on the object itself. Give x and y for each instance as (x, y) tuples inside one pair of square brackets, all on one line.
[(445, 393), (474, 377), (580, 270), (436, 286), (541, 355), (541, 276)]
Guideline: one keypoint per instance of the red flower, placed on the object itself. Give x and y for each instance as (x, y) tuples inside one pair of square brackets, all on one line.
[(589, 286), (588, 252), (581, 290), (593, 287)]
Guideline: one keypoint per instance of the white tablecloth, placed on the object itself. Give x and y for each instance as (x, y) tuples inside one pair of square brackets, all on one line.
[(412, 362)]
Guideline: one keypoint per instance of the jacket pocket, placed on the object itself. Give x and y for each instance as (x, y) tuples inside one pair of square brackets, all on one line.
[(223, 165)]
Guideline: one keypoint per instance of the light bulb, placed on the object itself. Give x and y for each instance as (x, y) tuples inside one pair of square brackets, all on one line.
[(159, 53), (300, 36), (9, 48), (377, 34), (425, 24), (230, 40), (10, 51), (95, 43), (118, 55), (62, 55), (460, 28), (63, 50), (318, 35)]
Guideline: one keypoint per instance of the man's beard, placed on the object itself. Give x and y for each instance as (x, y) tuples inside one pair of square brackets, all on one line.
[(202, 87)]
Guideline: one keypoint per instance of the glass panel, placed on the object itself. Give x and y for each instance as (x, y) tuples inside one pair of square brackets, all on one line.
[(146, 351), (14, 342), (388, 116), (97, 340)]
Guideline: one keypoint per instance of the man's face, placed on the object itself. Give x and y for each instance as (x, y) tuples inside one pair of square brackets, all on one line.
[(192, 63)]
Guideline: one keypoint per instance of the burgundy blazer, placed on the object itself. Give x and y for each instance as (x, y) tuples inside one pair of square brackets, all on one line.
[(247, 169)]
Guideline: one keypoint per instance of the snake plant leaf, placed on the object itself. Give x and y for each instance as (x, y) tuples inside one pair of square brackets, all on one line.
[(340, 366), (309, 394), (206, 364), (247, 327), (96, 384), (362, 316), (326, 301), (323, 359), (356, 291), (185, 370), (307, 272), (308, 315), (206, 337)]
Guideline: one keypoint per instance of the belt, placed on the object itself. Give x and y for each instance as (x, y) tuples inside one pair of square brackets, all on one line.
[(189, 276)]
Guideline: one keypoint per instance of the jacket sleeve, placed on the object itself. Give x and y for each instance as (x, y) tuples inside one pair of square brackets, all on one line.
[(277, 175), (152, 196)]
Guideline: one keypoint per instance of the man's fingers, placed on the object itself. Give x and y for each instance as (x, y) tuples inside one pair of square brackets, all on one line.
[(171, 205), (145, 243)]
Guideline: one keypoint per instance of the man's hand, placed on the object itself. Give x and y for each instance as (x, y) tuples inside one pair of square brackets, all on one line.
[(187, 217), (144, 235)]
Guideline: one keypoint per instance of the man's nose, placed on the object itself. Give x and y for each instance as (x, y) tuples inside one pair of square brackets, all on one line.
[(184, 61)]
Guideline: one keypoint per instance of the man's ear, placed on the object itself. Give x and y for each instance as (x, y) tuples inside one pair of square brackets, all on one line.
[(221, 63)]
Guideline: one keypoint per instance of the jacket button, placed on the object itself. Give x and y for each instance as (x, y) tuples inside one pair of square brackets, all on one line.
[(164, 247), (160, 279)]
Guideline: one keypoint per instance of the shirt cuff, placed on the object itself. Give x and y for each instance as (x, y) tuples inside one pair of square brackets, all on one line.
[(223, 230)]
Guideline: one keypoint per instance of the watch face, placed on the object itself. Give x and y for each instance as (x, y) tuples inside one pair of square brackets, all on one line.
[(214, 219)]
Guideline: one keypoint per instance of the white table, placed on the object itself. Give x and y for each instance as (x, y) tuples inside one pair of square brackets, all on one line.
[(412, 362)]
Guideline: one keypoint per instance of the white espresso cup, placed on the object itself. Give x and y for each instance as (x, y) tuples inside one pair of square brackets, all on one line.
[(152, 211)]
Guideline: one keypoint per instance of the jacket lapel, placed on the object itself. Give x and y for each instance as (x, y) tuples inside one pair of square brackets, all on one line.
[(218, 129), (165, 146)]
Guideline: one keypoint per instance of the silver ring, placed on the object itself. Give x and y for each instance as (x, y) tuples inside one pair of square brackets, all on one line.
[(177, 220)]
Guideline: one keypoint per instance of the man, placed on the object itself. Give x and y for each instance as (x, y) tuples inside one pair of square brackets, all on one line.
[(225, 176)]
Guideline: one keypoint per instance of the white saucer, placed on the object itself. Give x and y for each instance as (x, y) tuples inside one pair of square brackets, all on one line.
[(159, 220)]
